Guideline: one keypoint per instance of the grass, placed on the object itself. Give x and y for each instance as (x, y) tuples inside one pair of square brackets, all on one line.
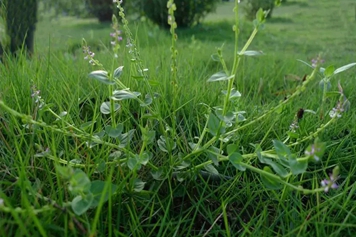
[(35, 191)]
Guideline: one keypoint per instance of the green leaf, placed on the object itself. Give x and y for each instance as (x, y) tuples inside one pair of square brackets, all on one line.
[(133, 163), (166, 144), (97, 189), (160, 174), (118, 72), (114, 132), (236, 159), (231, 148), (213, 125), (101, 76), (101, 166), (125, 138), (297, 167), (215, 57), (329, 71), (148, 136), (138, 185), (260, 16), (220, 76), (80, 205), (105, 107), (79, 182), (144, 158), (211, 169), (282, 149), (279, 169), (270, 182), (124, 95), (212, 156), (148, 100), (65, 172), (86, 125), (250, 53), (344, 68)]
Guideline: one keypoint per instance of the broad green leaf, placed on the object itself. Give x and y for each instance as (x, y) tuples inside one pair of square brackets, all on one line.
[(166, 144), (269, 182), (125, 138), (250, 53), (215, 57), (231, 148), (65, 172), (329, 71), (97, 189), (80, 205), (101, 76), (260, 16), (138, 185), (220, 76), (212, 156), (86, 125), (213, 124), (114, 132), (160, 174), (133, 163), (298, 167), (118, 72), (279, 169), (182, 165), (105, 107), (147, 101), (344, 68), (101, 166), (144, 158), (282, 149), (148, 136), (211, 169), (125, 94), (236, 159), (79, 182)]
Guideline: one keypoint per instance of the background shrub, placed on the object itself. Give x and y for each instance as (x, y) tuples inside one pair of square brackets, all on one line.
[(187, 14), (252, 6)]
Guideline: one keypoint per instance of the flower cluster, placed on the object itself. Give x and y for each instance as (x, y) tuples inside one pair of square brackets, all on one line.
[(317, 61), (329, 183), (35, 94), (342, 105), (89, 55), (116, 37)]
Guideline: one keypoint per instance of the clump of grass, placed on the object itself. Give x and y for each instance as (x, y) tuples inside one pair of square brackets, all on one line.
[(153, 150)]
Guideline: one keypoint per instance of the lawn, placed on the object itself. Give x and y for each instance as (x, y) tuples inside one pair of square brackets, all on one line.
[(182, 156)]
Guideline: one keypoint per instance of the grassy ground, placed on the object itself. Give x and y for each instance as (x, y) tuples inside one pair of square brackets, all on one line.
[(36, 194)]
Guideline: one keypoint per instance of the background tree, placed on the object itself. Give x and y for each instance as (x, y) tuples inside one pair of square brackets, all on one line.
[(20, 20)]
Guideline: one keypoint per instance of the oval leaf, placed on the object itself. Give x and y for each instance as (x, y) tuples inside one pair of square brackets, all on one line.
[(251, 53), (220, 76), (80, 204), (118, 72), (344, 68), (105, 107), (101, 76), (125, 94)]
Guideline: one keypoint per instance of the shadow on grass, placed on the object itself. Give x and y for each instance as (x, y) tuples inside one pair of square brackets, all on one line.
[(280, 20), (295, 3)]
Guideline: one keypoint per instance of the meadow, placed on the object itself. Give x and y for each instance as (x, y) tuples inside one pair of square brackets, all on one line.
[(179, 152)]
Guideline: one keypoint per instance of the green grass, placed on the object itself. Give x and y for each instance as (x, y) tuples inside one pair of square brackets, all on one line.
[(239, 206)]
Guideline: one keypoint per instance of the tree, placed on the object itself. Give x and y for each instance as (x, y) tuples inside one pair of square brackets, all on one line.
[(20, 19)]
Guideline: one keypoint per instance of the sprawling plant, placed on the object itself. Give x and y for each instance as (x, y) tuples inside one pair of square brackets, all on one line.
[(152, 148)]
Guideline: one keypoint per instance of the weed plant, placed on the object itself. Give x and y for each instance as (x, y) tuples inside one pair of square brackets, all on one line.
[(137, 149)]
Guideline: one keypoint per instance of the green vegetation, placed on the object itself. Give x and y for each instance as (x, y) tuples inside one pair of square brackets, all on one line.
[(54, 162)]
